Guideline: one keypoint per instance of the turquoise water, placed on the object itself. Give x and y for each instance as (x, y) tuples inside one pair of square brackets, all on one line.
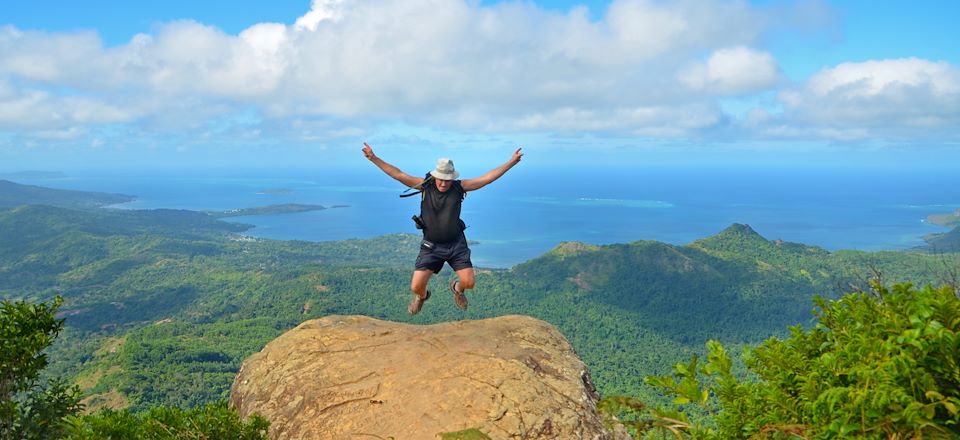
[(529, 211)]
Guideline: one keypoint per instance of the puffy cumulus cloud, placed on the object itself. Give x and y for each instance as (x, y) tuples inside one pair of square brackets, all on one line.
[(61, 60), (509, 60), (43, 111), (667, 121), (879, 98), (189, 58), (733, 71), (417, 61), (320, 10)]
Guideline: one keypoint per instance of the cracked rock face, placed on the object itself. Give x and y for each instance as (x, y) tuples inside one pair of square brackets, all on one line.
[(352, 377)]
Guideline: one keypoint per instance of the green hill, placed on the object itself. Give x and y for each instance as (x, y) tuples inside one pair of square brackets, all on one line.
[(162, 306), (944, 242), (689, 293), (15, 194)]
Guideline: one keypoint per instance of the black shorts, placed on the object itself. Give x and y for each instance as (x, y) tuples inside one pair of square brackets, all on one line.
[(455, 252)]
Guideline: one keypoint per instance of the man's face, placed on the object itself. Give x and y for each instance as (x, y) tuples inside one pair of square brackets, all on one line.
[(443, 185)]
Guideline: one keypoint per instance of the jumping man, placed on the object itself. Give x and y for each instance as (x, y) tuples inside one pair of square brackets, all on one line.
[(443, 238)]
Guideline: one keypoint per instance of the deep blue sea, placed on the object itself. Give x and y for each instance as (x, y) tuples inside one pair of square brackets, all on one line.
[(531, 210)]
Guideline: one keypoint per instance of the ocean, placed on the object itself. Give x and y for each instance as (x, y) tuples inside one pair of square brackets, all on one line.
[(530, 210)]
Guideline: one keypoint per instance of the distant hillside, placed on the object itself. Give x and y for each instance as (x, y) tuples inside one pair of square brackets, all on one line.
[(45, 248), (161, 306), (735, 283), (25, 223), (15, 194), (285, 208), (949, 220), (944, 242)]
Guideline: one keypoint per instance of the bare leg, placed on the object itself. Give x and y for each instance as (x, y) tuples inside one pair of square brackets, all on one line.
[(466, 279), (463, 282), (418, 284)]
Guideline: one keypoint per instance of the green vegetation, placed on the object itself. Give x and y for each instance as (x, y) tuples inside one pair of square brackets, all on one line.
[(285, 208), (881, 364), (948, 220), (15, 194), (162, 306), (213, 421), (33, 409), (467, 434), (944, 242)]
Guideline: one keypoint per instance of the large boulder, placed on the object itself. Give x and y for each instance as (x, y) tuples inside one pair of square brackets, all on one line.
[(351, 377)]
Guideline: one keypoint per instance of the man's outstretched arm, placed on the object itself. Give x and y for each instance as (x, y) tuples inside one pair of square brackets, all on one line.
[(391, 170), (494, 174)]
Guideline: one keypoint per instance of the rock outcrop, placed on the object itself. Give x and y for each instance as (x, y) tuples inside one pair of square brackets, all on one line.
[(353, 377)]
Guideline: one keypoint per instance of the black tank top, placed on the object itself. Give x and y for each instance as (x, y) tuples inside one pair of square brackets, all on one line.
[(440, 212)]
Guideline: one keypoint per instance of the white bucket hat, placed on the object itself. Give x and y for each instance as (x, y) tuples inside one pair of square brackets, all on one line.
[(445, 170)]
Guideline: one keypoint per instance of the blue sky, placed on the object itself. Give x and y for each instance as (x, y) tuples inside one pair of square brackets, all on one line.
[(256, 83)]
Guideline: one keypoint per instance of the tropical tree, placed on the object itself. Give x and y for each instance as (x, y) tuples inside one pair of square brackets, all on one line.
[(31, 408)]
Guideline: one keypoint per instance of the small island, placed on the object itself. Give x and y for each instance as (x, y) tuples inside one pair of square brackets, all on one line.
[(948, 220), (285, 208)]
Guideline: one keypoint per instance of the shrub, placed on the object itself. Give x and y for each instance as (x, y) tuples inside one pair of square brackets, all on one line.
[(882, 364), (213, 421)]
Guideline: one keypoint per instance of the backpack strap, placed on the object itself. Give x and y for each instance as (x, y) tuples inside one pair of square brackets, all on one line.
[(418, 188)]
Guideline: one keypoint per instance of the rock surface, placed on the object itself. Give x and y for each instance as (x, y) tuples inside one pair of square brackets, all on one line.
[(355, 377)]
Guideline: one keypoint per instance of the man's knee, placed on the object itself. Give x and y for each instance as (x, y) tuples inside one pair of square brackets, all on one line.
[(466, 280), (418, 284), (418, 288)]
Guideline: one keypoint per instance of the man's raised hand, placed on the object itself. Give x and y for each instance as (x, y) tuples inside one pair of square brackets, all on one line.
[(368, 152), (517, 155)]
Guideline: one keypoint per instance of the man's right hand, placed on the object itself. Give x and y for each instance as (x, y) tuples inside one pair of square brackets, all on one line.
[(368, 152)]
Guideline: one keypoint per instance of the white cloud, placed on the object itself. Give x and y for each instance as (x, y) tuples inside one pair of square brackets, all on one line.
[(39, 110), (320, 10), (461, 65), (49, 58), (669, 121), (417, 61), (733, 71), (881, 97)]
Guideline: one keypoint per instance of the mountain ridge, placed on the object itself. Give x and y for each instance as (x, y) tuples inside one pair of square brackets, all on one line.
[(15, 194)]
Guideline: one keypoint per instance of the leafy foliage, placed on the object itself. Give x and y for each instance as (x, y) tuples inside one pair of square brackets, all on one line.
[(32, 410), (29, 407), (213, 421), (880, 364)]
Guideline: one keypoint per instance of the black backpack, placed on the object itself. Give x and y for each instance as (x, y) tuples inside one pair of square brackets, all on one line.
[(418, 189)]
